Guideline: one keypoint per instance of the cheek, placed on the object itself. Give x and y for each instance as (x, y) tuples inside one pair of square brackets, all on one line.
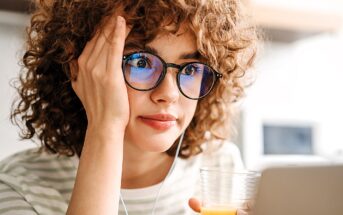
[(188, 106), (136, 99)]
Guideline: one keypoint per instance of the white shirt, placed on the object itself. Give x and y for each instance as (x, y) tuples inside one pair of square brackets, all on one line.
[(34, 182)]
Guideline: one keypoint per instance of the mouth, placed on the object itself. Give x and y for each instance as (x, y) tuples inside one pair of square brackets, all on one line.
[(160, 122)]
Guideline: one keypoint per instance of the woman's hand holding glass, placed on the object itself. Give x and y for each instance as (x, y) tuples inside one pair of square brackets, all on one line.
[(226, 192), (98, 79), (195, 205)]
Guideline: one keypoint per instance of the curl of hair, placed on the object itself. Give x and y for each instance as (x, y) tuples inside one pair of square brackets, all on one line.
[(49, 109)]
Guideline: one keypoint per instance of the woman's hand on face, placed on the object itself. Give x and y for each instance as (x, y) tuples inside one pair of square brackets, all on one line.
[(195, 205), (97, 76)]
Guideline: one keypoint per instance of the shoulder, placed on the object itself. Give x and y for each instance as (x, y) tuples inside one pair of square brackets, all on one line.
[(37, 178), (11, 202), (34, 161)]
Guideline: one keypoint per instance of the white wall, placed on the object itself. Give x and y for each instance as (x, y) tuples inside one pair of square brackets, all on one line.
[(331, 6), (11, 43), (297, 83)]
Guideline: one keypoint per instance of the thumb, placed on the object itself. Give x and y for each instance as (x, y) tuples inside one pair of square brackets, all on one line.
[(194, 204), (242, 212)]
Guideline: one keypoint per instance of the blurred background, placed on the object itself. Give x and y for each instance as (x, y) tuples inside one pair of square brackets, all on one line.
[(292, 113)]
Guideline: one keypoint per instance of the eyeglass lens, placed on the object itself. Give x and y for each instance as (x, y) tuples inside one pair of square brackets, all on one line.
[(144, 71)]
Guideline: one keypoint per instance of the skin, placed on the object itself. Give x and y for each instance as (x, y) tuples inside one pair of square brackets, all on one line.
[(115, 155), (98, 179), (145, 162), (195, 204)]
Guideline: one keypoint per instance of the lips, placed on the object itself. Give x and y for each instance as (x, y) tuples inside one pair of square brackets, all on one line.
[(160, 122)]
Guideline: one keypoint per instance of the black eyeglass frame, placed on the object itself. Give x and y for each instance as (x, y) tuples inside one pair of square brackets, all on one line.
[(216, 74)]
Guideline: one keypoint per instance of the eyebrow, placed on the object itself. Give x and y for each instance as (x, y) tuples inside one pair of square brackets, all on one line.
[(185, 56)]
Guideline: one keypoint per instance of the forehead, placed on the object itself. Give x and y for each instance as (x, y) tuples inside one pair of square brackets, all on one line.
[(167, 44), (171, 46), (184, 37)]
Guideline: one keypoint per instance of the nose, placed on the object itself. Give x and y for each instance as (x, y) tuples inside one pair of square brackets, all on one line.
[(167, 91)]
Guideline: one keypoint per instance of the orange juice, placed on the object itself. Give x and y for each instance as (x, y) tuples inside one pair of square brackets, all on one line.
[(218, 211)]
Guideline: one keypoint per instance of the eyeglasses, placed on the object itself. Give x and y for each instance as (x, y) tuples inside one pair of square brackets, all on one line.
[(144, 71)]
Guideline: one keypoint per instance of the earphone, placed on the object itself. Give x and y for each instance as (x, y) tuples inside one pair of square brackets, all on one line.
[(169, 173)]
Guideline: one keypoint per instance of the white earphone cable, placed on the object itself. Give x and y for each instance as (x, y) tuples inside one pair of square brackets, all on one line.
[(122, 202), (169, 172), (160, 188)]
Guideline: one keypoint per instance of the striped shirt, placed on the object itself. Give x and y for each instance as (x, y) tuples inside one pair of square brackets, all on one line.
[(37, 182)]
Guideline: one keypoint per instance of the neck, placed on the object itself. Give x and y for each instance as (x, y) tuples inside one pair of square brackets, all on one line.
[(143, 169)]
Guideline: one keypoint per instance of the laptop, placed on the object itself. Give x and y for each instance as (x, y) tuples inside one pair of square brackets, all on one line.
[(300, 190)]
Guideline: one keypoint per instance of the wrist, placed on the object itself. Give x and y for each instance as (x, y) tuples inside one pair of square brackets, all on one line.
[(104, 127), (105, 133)]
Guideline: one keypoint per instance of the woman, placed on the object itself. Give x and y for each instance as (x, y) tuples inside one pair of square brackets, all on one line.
[(115, 91)]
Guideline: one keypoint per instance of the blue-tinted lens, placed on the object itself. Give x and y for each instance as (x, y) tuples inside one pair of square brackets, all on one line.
[(196, 80), (142, 70)]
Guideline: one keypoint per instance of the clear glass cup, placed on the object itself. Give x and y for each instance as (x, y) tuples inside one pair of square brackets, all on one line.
[(224, 192)]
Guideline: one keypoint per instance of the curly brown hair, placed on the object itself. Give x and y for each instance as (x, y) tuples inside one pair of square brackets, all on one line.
[(50, 110)]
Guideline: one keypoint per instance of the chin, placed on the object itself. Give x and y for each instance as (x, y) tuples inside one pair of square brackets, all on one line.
[(155, 144), (151, 140)]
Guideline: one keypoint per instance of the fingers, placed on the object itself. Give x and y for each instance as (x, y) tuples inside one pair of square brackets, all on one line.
[(87, 51), (116, 48), (111, 48), (241, 212), (102, 54), (248, 205), (108, 35), (246, 208), (95, 47), (194, 204), (103, 38)]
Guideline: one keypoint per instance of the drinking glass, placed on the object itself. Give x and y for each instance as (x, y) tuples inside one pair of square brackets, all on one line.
[(224, 192)]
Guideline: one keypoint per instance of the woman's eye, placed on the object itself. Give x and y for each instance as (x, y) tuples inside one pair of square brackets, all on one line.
[(139, 63), (190, 70)]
